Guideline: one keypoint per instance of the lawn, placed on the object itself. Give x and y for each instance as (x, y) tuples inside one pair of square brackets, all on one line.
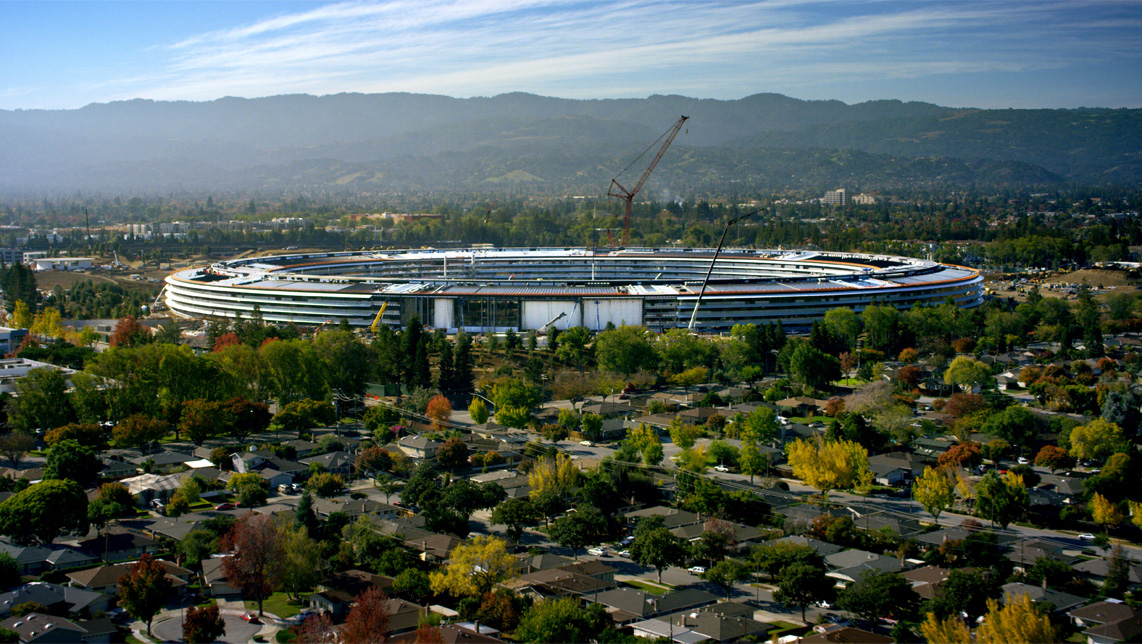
[(279, 605), (805, 420), (653, 589)]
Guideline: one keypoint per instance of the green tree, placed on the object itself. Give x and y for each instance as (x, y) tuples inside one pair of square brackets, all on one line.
[(302, 564), (812, 367), (516, 514), (584, 528), (145, 589), (1096, 440), (655, 546), (967, 372), (561, 620), (802, 584), (760, 425), (197, 546), (592, 426), (626, 350), (37, 404), (878, 594), (751, 461), (44, 510), (70, 460), (966, 591), (1000, 499), (726, 573), (479, 411), (573, 346)]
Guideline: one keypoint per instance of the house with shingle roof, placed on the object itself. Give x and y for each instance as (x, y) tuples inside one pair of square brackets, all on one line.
[(1107, 622)]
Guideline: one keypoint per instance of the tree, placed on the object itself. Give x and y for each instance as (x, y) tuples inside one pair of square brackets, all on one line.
[(301, 565), (114, 501), (475, 567), (256, 547), (592, 426), (625, 350), (1001, 499), (145, 589), (829, 465), (9, 571), (516, 514), (479, 411), (572, 346), (643, 440), (760, 425), (70, 460), (37, 404), (368, 620), (583, 528), (1118, 576), (965, 455), (1018, 622), (557, 474), (812, 367), (966, 591), (935, 491), (1054, 458), (138, 430), (751, 461), (246, 417), (129, 333), (879, 594), (802, 584), (86, 434), (325, 485), (1016, 425), (773, 558), (196, 546), (513, 416), (14, 445), (453, 454), (655, 546), (1105, 512), (1096, 440), (967, 372), (439, 410), (203, 625), (561, 620), (203, 419), (44, 510), (726, 573)]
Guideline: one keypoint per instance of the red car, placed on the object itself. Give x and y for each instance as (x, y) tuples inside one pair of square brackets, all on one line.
[(224, 506), (250, 617)]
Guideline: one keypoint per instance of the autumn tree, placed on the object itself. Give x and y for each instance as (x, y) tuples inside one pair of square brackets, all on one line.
[(935, 491), (138, 430), (453, 454), (557, 474), (966, 455), (1105, 512), (1019, 621), (129, 333), (439, 410), (967, 372), (86, 434), (479, 411), (829, 465), (145, 589), (475, 567), (368, 620), (256, 547), (1054, 458), (203, 625)]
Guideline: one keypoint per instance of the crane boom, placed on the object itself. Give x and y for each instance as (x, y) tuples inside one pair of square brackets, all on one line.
[(617, 190)]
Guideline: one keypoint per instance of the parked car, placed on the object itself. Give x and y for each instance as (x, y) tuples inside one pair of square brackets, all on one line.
[(597, 552), (224, 506), (1023, 461), (250, 617), (721, 468), (624, 554), (586, 443), (697, 570), (1087, 537)]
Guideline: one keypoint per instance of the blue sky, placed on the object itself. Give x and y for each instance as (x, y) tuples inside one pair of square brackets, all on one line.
[(981, 53)]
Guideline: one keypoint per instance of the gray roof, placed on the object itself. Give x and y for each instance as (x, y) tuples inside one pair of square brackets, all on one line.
[(47, 594), (644, 604), (1060, 600), (823, 548)]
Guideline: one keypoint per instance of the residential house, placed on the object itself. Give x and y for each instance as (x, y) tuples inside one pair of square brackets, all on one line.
[(848, 565), (1107, 622), (1097, 570), (355, 508), (662, 629), (834, 634), (515, 484), (275, 470), (554, 583), (723, 622), (418, 447), (164, 462), (1059, 601), (454, 634), (37, 628), (105, 579), (119, 544), (56, 599), (214, 580), (337, 592), (672, 517), (527, 563), (628, 605), (823, 548), (926, 581), (302, 448), (334, 462)]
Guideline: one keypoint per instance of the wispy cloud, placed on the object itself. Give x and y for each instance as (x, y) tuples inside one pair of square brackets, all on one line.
[(583, 48)]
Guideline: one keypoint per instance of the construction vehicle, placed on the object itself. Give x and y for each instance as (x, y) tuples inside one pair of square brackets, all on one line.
[(320, 327), (543, 329), (617, 190), (377, 320)]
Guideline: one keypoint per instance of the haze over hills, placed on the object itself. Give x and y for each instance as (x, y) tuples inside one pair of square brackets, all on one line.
[(382, 142)]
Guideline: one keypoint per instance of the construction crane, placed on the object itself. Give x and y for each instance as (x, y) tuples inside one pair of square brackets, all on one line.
[(377, 320), (543, 329), (617, 190)]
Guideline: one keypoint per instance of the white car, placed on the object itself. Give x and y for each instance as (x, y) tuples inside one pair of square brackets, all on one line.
[(697, 570), (1087, 537), (1023, 461), (624, 553), (586, 443), (596, 552), (721, 468)]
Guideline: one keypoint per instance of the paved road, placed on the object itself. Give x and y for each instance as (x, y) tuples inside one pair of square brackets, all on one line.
[(237, 631)]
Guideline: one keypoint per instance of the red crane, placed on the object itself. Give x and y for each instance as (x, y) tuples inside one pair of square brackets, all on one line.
[(617, 190)]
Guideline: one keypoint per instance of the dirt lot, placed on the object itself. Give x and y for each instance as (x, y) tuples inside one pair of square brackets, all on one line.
[(48, 280), (1103, 284)]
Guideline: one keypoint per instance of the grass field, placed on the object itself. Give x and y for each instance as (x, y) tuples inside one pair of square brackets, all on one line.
[(278, 604), (653, 589)]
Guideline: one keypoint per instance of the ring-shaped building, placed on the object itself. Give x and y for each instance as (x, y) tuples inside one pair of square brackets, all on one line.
[(490, 289)]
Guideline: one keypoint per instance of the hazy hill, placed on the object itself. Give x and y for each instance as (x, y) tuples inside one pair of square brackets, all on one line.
[(404, 141)]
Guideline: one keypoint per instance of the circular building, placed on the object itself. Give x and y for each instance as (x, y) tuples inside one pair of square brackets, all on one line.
[(490, 289)]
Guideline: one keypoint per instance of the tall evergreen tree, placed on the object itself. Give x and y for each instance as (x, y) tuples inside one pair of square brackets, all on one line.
[(445, 381), (462, 364)]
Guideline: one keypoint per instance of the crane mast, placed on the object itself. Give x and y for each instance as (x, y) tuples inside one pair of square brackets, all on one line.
[(617, 190)]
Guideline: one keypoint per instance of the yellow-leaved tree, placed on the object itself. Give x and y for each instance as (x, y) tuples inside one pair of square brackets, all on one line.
[(557, 475), (1096, 439), (475, 567), (1017, 622), (829, 465), (21, 316), (1135, 512), (1105, 512), (935, 491)]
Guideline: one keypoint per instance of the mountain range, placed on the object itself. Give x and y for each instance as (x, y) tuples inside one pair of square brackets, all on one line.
[(527, 143)]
